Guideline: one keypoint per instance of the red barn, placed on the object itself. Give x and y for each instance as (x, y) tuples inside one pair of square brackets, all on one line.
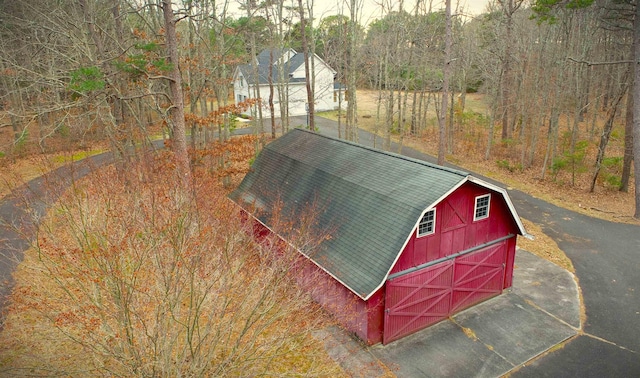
[(411, 242)]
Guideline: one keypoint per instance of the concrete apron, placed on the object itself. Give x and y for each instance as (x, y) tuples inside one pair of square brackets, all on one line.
[(541, 310)]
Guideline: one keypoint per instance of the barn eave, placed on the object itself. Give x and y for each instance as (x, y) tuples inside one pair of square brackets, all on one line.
[(361, 296)]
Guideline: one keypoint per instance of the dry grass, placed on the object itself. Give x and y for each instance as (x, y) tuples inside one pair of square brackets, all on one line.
[(543, 246)]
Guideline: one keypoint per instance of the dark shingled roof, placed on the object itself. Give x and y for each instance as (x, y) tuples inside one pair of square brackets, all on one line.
[(264, 58), (370, 200)]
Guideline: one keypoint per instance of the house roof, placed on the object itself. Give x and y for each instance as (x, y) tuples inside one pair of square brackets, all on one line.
[(369, 200), (263, 60)]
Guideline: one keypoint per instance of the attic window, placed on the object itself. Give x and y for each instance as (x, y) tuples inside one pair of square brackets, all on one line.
[(481, 210), (427, 225)]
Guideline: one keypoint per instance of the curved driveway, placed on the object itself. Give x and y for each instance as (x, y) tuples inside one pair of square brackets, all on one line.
[(606, 257), (21, 210)]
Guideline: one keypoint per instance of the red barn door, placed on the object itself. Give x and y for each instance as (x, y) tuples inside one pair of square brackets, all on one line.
[(478, 276), (420, 298), (417, 300)]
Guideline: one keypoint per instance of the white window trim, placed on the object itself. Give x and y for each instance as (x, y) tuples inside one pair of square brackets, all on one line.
[(475, 207), (433, 229)]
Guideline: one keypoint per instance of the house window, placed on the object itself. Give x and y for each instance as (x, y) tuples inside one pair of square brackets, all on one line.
[(482, 207), (427, 225)]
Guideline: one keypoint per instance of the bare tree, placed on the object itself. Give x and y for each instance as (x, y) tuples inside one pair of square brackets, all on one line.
[(351, 121), (636, 108), (445, 85), (177, 101), (307, 68), (615, 15), (509, 8), (125, 282)]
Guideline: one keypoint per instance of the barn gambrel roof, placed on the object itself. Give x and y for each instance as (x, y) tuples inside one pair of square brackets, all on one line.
[(369, 200)]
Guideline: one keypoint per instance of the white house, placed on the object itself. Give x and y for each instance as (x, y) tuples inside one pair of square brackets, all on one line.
[(288, 76)]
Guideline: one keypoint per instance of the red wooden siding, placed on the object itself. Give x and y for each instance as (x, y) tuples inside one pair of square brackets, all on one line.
[(509, 261), (455, 229), (363, 318), (375, 317), (419, 299), (347, 308)]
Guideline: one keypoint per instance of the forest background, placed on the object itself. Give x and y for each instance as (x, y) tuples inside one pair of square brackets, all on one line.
[(551, 107), (538, 96)]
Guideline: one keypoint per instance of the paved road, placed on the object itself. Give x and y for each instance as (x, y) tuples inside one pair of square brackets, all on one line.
[(606, 256)]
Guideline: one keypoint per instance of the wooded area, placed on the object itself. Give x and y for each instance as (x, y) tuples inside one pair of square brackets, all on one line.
[(555, 76)]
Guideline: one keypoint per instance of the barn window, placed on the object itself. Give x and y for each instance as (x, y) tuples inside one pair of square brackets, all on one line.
[(427, 224), (482, 207)]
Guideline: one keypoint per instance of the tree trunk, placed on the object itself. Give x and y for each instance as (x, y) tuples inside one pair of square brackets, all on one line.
[(451, 138), (414, 108), (351, 128), (307, 70), (552, 140), (176, 111), (628, 142), (492, 123), (506, 71), (388, 120), (604, 138), (257, 110), (636, 109), (445, 85), (271, 93)]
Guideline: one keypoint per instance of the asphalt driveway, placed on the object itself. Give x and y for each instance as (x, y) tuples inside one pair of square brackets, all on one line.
[(606, 257)]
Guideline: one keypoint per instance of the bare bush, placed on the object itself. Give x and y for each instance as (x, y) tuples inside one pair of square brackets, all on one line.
[(131, 277)]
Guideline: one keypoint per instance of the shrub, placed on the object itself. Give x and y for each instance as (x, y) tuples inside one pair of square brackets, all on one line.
[(611, 172), (505, 164)]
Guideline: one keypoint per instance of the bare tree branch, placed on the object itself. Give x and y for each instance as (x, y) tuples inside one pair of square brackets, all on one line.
[(599, 63)]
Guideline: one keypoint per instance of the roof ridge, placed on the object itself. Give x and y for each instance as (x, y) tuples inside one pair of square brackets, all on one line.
[(389, 153), (360, 185)]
